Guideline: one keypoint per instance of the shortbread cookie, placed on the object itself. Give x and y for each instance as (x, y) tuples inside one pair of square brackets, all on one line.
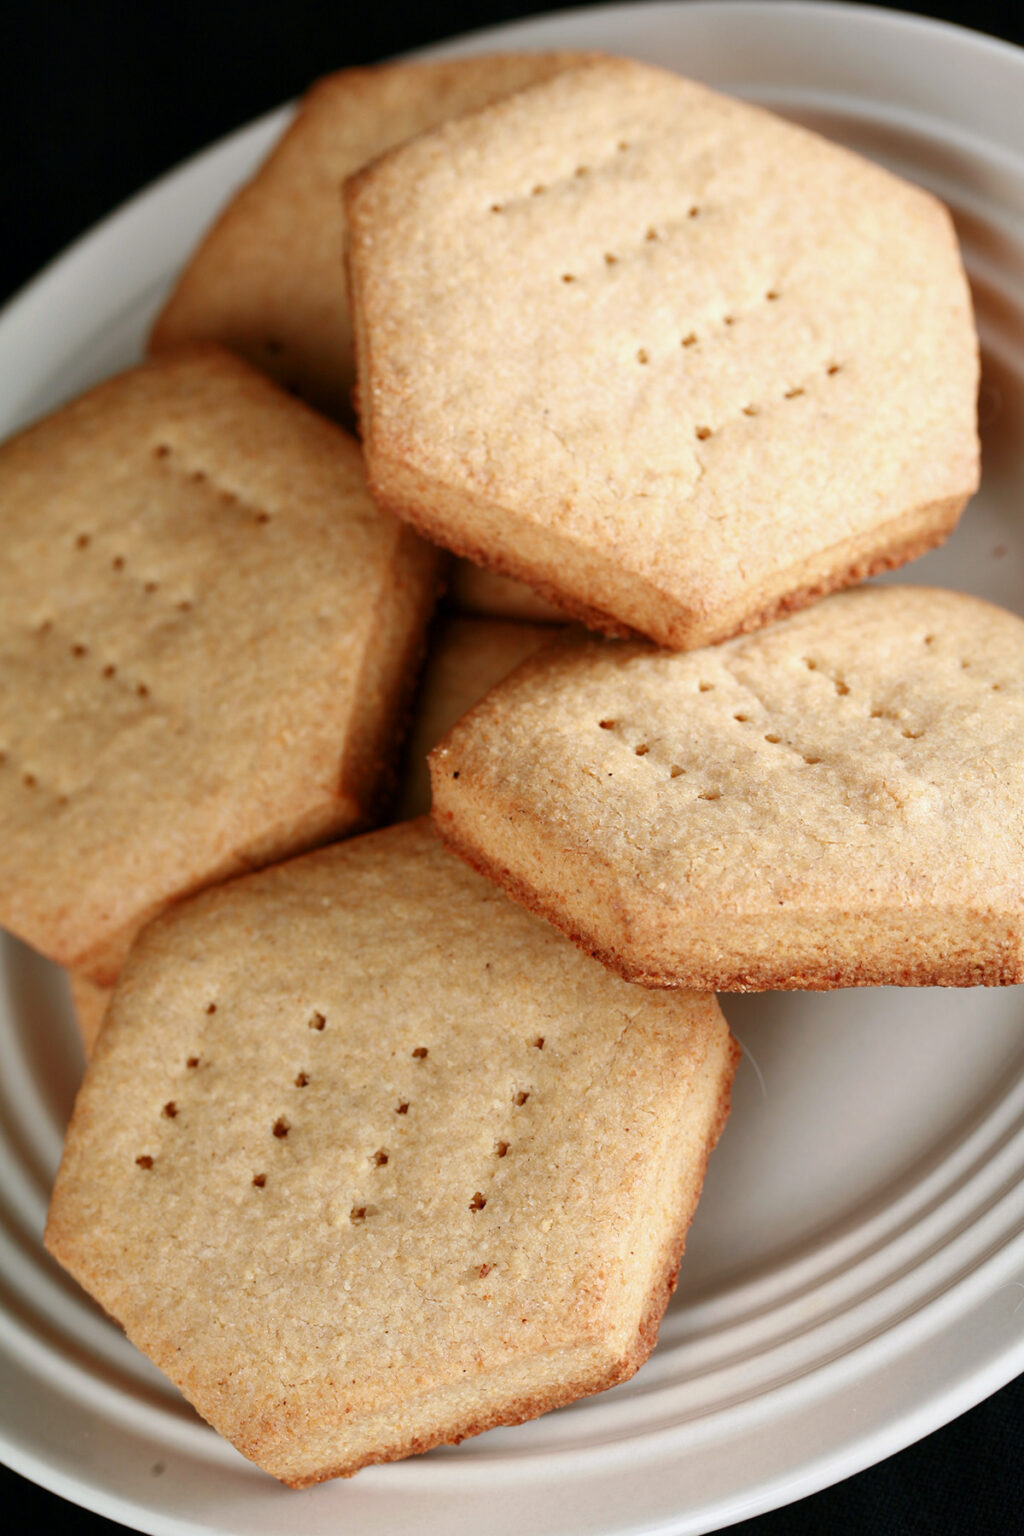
[(267, 280), (835, 801), (368, 1159), (89, 1004), (467, 657), (208, 633), (679, 365)]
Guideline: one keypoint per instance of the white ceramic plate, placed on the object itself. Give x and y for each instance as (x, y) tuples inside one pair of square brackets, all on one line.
[(855, 1275)]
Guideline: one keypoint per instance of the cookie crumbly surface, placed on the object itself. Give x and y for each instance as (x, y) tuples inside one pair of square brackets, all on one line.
[(208, 633), (678, 364), (368, 1158), (837, 800)]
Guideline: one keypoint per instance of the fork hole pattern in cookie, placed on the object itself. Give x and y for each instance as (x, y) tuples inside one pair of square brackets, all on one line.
[(363, 1211)]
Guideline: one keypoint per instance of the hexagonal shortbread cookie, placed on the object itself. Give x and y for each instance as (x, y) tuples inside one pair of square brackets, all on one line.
[(678, 364), (207, 631), (835, 801), (369, 1159)]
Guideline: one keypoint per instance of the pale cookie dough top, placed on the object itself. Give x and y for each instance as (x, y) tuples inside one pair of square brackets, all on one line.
[(358, 1129), (623, 336), (867, 754), (200, 653)]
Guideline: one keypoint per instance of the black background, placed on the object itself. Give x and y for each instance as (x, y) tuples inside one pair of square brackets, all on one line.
[(97, 99)]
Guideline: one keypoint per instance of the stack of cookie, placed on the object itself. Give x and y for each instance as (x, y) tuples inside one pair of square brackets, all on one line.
[(368, 1158)]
